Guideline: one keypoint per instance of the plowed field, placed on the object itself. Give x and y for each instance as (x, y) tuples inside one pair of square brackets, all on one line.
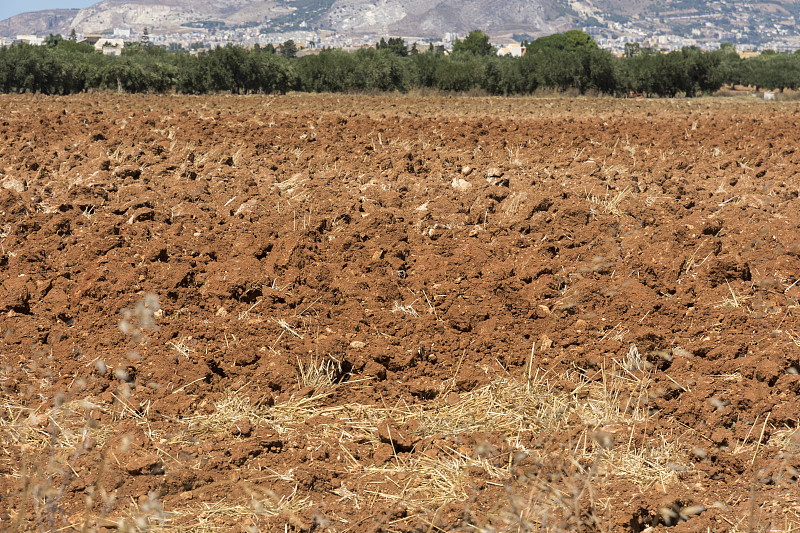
[(343, 313)]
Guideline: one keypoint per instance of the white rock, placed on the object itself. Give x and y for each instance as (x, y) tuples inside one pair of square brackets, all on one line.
[(14, 184), (460, 184), (247, 207), (494, 172)]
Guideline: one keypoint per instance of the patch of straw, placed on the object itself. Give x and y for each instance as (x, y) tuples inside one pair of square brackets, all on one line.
[(209, 516), (434, 481), (610, 204)]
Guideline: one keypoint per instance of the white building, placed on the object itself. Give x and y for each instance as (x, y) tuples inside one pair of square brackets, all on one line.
[(30, 39), (122, 33), (110, 47), (513, 50)]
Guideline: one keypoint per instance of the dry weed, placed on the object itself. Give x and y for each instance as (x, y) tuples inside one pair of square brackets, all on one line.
[(610, 204)]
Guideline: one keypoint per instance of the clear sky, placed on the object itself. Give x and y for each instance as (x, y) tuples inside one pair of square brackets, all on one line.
[(9, 8)]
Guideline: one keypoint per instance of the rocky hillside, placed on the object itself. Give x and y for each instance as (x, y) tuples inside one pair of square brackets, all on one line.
[(407, 17), (39, 22), (415, 17), (106, 15), (715, 19)]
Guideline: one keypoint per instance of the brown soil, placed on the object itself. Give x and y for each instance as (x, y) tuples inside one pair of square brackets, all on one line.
[(352, 313)]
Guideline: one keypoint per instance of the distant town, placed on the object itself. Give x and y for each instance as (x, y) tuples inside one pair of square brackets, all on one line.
[(727, 23)]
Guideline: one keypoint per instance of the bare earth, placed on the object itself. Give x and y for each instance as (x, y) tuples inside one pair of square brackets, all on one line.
[(344, 313)]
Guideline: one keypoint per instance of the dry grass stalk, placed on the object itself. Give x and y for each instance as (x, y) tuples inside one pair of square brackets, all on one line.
[(514, 157), (610, 204), (512, 203), (206, 518), (182, 348), (235, 406), (433, 480), (319, 372), (289, 329), (658, 463), (614, 333), (63, 427), (407, 309), (293, 188), (734, 301), (245, 315)]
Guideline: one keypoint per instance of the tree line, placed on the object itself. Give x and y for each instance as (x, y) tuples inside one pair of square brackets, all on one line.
[(570, 61)]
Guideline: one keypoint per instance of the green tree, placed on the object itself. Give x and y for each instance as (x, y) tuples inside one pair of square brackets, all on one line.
[(634, 73), (502, 76), (329, 71), (772, 70), (288, 49), (558, 69), (476, 43), (703, 71), (572, 40), (730, 64), (423, 68), (398, 47), (194, 73), (395, 45), (632, 50), (459, 74), (228, 69), (269, 73), (124, 75), (600, 71), (51, 41), (379, 69)]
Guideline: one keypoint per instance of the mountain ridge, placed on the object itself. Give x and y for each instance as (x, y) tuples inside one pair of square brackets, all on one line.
[(720, 20)]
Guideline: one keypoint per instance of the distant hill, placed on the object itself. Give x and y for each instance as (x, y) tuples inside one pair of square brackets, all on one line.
[(106, 15), (420, 17), (39, 22), (724, 20)]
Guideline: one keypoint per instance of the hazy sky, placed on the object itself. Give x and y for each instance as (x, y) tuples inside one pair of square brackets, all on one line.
[(9, 8)]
